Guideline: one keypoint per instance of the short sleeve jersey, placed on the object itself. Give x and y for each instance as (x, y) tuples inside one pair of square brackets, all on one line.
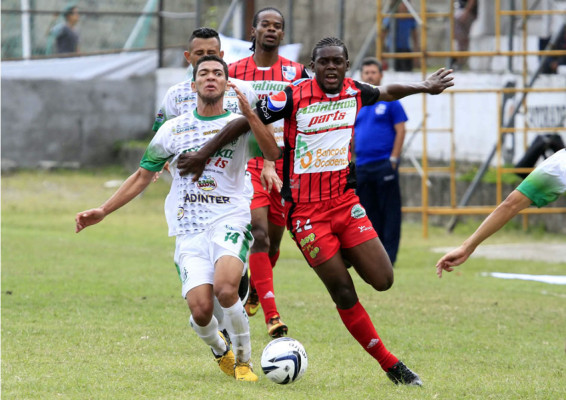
[(191, 207), (318, 131), (180, 99), (375, 131), (266, 82), (548, 180)]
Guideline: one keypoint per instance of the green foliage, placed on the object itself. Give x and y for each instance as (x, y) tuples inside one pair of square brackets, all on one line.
[(98, 315)]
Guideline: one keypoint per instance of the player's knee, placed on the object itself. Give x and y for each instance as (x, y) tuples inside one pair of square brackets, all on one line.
[(201, 313), (384, 282), (344, 297), (261, 240), (227, 295)]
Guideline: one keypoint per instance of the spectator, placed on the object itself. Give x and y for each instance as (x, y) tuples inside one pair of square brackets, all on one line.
[(66, 34), (379, 136), (465, 14), (551, 64), (398, 39)]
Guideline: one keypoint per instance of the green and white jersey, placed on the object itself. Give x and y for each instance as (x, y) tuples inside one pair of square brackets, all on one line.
[(548, 180), (223, 189), (180, 99)]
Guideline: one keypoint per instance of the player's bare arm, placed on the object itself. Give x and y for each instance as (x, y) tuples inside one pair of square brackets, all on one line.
[(434, 84), (133, 186), (509, 208)]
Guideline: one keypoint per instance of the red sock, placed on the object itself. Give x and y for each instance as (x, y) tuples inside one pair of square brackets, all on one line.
[(273, 259), (260, 268), (361, 328)]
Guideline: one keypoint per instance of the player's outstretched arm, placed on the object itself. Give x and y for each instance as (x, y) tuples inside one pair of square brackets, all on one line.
[(133, 186), (510, 207), (434, 84), (262, 133)]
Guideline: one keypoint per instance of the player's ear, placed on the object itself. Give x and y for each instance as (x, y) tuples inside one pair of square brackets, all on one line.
[(221, 54), (193, 86), (347, 65), (187, 55)]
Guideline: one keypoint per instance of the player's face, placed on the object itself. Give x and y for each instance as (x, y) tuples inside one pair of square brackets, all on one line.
[(210, 82), (202, 47), (371, 74), (269, 30), (330, 66)]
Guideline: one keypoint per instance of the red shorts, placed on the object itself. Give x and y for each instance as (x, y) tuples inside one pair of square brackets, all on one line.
[(277, 213), (320, 229)]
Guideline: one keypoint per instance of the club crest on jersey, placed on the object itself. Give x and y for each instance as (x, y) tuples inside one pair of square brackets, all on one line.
[(277, 101), (289, 73), (207, 183), (358, 211)]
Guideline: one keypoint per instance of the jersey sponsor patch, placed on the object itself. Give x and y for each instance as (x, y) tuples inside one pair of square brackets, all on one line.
[(351, 91), (322, 152), (277, 101), (206, 183), (289, 73)]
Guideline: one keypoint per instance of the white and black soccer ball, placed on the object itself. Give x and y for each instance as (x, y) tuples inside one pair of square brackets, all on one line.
[(284, 360)]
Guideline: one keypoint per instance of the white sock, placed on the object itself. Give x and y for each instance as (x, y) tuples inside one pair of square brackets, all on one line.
[(209, 334), (219, 314), (238, 326)]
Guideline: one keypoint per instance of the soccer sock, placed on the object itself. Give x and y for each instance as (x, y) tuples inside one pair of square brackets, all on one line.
[(260, 267), (238, 327), (219, 314), (273, 259), (209, 334), (361, 328)]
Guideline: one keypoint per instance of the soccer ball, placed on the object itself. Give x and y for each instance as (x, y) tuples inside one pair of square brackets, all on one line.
[(284, 360)]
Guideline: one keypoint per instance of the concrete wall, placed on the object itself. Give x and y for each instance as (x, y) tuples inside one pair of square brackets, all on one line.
[(76, 122)]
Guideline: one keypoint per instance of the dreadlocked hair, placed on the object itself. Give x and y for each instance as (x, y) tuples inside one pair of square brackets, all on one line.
[(255, 20), (329, 41)]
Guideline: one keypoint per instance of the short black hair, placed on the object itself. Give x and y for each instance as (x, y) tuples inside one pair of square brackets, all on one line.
[(210, 58), (327, 42), (68, 11), (204, 33), (255, 21), (372, 61)]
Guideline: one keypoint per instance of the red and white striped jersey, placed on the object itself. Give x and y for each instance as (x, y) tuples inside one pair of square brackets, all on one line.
[(318, 131)]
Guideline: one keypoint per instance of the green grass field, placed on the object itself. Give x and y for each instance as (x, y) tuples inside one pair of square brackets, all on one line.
[(99, 315)]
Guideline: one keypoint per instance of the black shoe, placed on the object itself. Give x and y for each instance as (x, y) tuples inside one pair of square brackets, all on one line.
[(226, 338), (244, 288), (400, 374)]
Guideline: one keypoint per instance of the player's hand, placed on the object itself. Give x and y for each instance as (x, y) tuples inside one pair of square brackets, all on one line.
[(243, 102), (269, 177), (191, 163), (158, 174), (439, 81), (88, 218), (451, 259)]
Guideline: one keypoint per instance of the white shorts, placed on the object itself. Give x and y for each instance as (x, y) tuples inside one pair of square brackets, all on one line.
[(197, 253)]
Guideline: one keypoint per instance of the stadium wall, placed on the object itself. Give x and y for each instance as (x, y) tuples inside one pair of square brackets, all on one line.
[(72, 123)]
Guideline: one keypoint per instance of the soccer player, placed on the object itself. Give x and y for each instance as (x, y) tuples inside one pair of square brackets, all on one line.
[(181, 99), (379, 136), (542, 186), (325, 217), (269, 73), (210, 216)]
